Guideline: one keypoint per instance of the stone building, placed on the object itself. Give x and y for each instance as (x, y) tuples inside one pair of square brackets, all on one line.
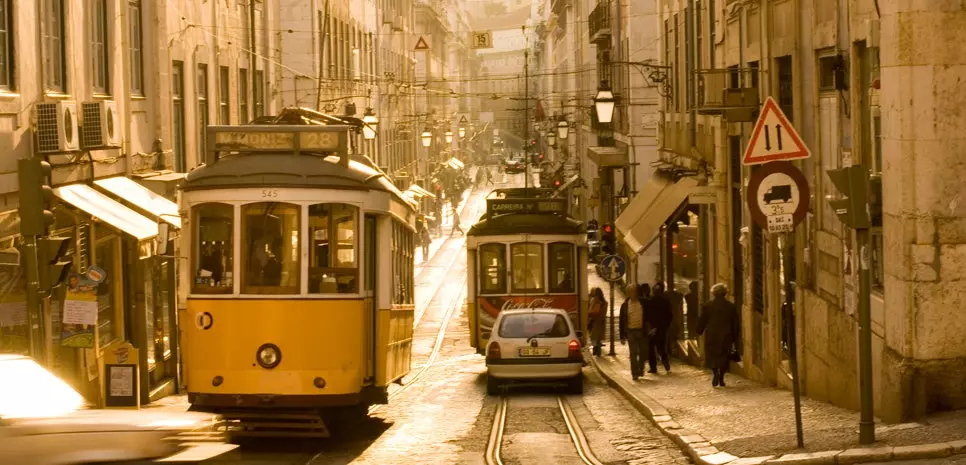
[(115, 95), (864, 82)]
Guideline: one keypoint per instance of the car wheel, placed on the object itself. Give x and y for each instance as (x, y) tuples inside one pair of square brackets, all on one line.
[(576, 384), (492, 386)]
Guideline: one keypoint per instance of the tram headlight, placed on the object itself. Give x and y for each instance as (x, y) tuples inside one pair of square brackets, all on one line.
[(268, 356)]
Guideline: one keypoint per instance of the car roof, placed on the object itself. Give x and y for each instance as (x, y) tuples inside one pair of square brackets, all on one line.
[(8, 357), (527, 311)]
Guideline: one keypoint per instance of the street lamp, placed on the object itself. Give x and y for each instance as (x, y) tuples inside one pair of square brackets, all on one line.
[(551, 138), (449, 137), (369, 121), (604, 103), (426, 137), (462, 132), (563, 129)]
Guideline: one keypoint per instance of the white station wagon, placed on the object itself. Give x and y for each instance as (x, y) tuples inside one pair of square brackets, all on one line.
[(533, 345)]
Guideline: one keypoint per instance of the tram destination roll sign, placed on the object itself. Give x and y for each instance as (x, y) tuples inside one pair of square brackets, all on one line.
[(503, 206)]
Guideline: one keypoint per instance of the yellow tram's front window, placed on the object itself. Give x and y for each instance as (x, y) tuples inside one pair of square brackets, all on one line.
[(561, 260), (270, 248), (213, 250), (492, 269), (333, 266), (526, 263)]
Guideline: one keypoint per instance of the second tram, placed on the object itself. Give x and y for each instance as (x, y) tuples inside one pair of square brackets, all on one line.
[(525, 252), (300, 277)]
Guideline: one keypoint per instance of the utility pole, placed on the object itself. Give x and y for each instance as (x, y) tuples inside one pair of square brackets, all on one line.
[(251, 52), (526, 108)]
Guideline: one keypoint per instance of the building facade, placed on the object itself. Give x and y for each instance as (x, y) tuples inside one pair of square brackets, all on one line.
[(864, 83), (115, 95)]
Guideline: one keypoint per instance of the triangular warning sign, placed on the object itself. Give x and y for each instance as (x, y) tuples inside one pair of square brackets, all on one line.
[(774, 138), (421, 44)]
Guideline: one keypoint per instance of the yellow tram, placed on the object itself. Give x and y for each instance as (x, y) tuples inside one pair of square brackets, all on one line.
[(300, 276), (525, 252)]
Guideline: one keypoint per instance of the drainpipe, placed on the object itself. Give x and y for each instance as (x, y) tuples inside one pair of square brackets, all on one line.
[(251, 54)]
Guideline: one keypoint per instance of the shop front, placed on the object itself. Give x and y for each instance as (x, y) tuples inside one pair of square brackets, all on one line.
[(119, 295)]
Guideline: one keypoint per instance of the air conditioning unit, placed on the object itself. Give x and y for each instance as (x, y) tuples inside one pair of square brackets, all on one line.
[(101, 124), (57, 127)]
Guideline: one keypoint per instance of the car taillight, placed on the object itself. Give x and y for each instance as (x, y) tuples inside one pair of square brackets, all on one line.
[(573, 349), (493, 353)]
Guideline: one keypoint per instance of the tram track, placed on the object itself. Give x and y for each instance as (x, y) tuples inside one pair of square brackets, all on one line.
[(578, 439)]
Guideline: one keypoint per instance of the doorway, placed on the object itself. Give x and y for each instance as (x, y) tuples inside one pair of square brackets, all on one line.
[(369, 293)]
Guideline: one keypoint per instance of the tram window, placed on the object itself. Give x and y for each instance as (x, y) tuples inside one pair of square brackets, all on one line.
[(403, 250), (561, 257), (492, 269), (213, 248), (333, 267), (526, 263), (270, 234)]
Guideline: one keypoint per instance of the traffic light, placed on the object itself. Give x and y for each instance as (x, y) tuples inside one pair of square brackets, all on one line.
[(556, 182), (54, 266), (36, 194), (609, 239), (853, 183)]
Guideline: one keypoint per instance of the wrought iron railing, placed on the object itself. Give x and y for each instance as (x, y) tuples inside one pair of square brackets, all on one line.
[(599, 21)]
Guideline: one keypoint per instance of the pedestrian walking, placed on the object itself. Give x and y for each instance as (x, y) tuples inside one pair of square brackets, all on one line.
[(719, 318), (634, 330), (425, 240), (691, 301), (597, 318), (456, 224), (660, 317)]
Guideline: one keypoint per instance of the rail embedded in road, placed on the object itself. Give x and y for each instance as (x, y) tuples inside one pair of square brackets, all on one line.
[(494, 445)]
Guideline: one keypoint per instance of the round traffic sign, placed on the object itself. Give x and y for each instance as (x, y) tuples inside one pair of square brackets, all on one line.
[(777, 196), (612, 268)]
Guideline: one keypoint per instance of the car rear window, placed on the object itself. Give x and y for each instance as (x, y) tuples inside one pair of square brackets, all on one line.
[(527, 325)]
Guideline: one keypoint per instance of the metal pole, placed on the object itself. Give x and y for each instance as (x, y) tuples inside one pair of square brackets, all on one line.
[(793, 344), (34, 302), (612, 353), (526, 109), (867, 421)]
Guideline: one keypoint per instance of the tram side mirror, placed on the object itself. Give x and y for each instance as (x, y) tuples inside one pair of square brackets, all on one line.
[(162, 239)]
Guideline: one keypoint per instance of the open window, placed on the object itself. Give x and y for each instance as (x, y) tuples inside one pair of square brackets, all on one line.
[(333, 260), (213, 249), (526, 265), (492, 266), (560, 256), (270, 234)]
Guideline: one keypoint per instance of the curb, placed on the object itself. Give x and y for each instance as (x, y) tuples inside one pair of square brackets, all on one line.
[(702, 452)]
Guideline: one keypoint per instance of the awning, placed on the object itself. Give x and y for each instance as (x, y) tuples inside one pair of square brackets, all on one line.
[(143, 198), (566, 185), (107, 210), (419, 192), (455, 163), (643, 217)]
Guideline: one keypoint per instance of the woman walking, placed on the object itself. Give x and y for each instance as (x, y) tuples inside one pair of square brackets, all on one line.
[(720, 318), (597, 316)]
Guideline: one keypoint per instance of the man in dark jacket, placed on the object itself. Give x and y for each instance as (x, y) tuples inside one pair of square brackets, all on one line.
[(660, 317), (720, 319), (634, 330)]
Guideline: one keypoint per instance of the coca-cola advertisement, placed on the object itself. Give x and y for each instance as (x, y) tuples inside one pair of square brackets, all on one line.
[(490, 307)]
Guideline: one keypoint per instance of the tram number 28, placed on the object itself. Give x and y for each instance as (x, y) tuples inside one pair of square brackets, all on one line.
[(269, 193)]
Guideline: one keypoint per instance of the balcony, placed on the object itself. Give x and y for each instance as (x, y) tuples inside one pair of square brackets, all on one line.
[(731, 92), (600, 23)]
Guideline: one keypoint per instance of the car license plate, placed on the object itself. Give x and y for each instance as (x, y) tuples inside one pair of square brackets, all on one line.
[(534, 351)]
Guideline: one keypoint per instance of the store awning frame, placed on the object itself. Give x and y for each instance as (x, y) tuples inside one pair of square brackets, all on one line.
[(108, 210), (142, 197), (455, 163), (419, 192), (566, 185), (651, 208)]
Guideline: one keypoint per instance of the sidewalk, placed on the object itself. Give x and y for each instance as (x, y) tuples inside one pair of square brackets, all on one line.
[(447, 219), (750, 423)]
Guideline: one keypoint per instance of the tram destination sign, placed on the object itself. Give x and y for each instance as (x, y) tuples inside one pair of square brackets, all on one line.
[(504, 206), (276, 138)]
